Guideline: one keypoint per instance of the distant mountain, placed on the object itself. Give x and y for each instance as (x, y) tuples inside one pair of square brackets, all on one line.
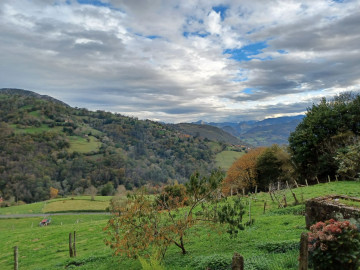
[(209, 132), (262, 133)]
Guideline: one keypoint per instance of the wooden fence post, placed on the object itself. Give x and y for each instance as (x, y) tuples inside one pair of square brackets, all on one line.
[(296, 184), (16, 258), (237, 262), (70, 246), (329, 178), (306, 182), (317, 179), (74, 244), (303, 260), (264, 207)]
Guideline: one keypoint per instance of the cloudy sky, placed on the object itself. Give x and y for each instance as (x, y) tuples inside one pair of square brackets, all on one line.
[(182, 60)]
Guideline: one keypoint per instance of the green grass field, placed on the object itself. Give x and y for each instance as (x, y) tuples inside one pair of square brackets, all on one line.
[(82, 145), (226, 158), (271, 243), (75, 203)]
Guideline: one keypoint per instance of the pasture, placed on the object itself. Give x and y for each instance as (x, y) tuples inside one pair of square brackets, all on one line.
[(270, 243)]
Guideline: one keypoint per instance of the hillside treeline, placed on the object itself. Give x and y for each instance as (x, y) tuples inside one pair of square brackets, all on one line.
[(45, 143), (325, 144)]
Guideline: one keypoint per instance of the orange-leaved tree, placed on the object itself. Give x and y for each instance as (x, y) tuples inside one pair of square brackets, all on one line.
[(242, 173), (53, 192), (142, 221)]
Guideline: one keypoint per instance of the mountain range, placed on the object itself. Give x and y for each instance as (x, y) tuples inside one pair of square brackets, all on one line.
[(260, 133)]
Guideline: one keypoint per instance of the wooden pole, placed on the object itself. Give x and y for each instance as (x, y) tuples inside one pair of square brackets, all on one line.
[(296, 184), (70, 246), (329, 178), (237, 262), (264, 207), (278, 185), (306, 182), (296, 200), (243, 192), (256, 189), (249, 210), (16, 258), (74, 244), (336, 177), (303, 260), (285, 202), (317, 179)]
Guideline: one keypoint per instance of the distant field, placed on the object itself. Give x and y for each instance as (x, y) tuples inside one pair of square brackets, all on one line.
[(82, 145), (225, 159), (75, 203), (35, 130)]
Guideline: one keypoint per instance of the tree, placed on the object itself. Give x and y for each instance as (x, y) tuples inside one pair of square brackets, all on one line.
[(349, 161), (327, 127), (274, 164), (91, 191), (142, 222), (243, 174), (53, 192)]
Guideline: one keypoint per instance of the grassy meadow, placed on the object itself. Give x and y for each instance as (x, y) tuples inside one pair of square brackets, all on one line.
[(270, 243), (226, 158)]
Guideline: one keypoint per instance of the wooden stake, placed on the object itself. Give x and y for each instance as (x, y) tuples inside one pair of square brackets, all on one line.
[(264, 207), (303, 260), (336, 177), (74, 244), (329, 178), (256, 189), (243, 191), (284, 198), (317, 179), (16, 258), (278, 185), (306, 182), (70, 246), (296, 200), (296, 184), (237, 262), (249, 210)]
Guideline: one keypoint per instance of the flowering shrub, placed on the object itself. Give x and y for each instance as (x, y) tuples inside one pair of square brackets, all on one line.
[(334, 245)]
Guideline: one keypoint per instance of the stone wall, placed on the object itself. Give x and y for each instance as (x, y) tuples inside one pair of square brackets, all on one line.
[(325, 208)]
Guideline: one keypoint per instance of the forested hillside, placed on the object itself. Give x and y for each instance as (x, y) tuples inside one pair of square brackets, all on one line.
[(45, 143)]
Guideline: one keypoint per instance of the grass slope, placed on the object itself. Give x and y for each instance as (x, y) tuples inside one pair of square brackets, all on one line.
[(226, 158), (271, 243)]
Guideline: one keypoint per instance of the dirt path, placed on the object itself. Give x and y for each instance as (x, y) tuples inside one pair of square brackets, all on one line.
[(53, 214)]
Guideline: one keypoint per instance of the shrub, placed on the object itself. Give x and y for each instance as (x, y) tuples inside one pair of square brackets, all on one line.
[(212, 262), (334, 245)]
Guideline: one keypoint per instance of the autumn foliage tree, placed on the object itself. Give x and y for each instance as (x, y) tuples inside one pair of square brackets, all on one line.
[(53, 192), (242, 173), (142, 221)]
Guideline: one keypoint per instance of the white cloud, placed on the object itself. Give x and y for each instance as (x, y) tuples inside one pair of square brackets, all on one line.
[(164, 59)]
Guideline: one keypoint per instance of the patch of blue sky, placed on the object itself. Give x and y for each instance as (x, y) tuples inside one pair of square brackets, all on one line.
[(153, 37), (222, 10), (198, 34), (282, 52), (97, 3), (245, 53), (248, 91)]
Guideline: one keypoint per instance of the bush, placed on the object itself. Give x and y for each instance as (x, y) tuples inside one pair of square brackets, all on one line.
[(334, 245), (212, 262)]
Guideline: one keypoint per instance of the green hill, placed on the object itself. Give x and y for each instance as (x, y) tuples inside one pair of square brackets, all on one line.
[(209, 132), (45, 143)]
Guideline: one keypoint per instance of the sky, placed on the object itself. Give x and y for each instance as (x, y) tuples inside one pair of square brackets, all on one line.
[(182, 60)]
